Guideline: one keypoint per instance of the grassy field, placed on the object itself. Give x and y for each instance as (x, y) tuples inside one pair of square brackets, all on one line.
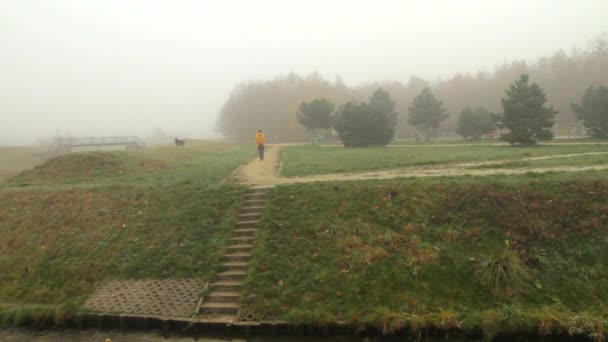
[(415, 253), (588, 160), (198, 162), (309, 160), (501, 253), (81, 219), (486, 141)]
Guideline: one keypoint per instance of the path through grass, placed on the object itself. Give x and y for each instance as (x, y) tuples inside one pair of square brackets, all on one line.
[(309, 160), (583, 160)]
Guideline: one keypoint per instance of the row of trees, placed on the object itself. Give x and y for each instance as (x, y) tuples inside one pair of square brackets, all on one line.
[(524, 115), (272, 104)]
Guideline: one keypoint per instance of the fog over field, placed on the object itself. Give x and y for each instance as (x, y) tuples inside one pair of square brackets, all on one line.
[(114, 67)]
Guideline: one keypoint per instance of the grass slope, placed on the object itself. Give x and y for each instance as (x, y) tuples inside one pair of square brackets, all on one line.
[(308, 160), (58, 245), (198, 162), (75, 222), (407, 254)]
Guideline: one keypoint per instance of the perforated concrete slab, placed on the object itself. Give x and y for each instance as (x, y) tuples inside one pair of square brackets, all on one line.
[(167, 297)]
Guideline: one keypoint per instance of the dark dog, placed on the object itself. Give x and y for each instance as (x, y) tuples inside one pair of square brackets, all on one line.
[(180, 142)]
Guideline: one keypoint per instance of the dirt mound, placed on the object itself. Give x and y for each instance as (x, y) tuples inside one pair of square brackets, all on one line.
[(73, 168)]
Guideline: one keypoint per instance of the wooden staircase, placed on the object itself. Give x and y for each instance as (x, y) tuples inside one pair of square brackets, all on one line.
[(225, 293)]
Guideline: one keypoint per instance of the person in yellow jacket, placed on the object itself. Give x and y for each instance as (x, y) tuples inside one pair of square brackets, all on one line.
[(260, 139)]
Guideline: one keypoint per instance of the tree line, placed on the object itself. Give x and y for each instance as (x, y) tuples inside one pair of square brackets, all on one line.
[(272, 105), (525, 118)]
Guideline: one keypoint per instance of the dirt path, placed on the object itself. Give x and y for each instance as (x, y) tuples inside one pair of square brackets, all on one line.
[(258, 172), (263, 173)]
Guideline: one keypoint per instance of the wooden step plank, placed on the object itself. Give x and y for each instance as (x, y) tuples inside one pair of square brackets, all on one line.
[(250, 215), (247, 224), (255, 201), (256, 194), (240, 245), (232, 275), (253, 208), (244, 230), (235, 264), (223, 297), (242, 239), (226, 285), (236, 257)]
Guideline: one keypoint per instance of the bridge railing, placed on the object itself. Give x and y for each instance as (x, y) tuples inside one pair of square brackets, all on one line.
[(101, 141)]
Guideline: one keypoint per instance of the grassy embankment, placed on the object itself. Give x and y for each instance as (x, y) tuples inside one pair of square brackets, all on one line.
[(78, 220), (422, 253), (308, 160)]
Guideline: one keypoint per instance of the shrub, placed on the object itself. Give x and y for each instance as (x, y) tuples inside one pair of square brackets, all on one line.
[(367, 124), (503, 273), (472, 124)]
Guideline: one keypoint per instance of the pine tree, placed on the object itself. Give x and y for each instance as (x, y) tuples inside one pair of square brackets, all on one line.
[(593, 111), (367, 124), (525, 114), (426, 111)]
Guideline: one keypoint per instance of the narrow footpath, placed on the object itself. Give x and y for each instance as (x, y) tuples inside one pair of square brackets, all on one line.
[(267, 172)]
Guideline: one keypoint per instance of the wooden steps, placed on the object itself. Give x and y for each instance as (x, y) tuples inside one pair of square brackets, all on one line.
[(224, 297)]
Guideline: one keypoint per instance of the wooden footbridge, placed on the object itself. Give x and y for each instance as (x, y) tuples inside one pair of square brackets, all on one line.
[(129, 142)]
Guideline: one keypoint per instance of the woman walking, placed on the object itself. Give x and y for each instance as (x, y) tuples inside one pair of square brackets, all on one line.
[(260, 139)]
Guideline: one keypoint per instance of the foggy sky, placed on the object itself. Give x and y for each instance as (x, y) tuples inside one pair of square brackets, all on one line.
[(109, 67)]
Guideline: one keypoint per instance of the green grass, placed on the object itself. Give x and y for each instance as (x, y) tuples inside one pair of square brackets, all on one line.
[(58, 245), (81, 219), (446, 142), (407, 253), (487, 141), (308, 160), (198, 162), (589, 160)]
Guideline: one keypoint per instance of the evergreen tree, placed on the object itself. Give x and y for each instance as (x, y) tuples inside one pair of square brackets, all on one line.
[(426, 112), (315, 115), (472, 124), (525, 114), (593, 111), (353, 122), (367, 124)]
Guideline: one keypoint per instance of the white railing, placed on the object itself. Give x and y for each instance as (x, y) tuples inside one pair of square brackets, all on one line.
[(101, 141)]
